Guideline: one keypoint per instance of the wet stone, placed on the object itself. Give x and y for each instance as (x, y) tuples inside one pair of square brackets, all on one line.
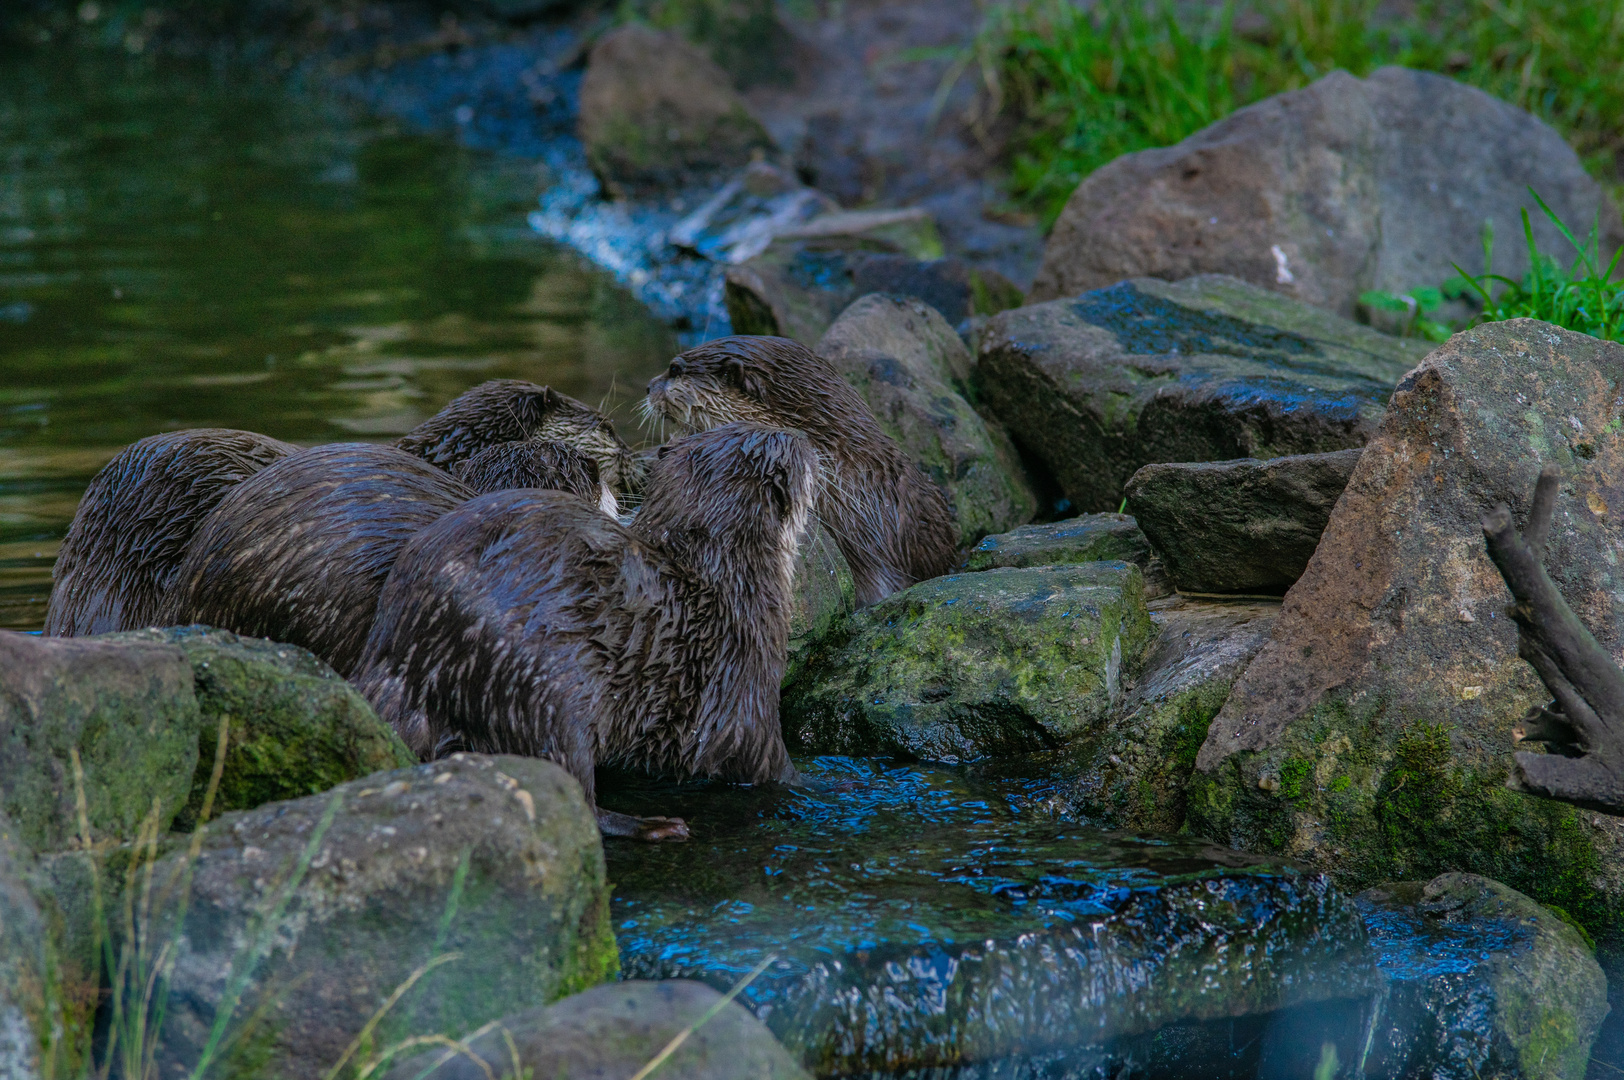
[(824, 593), (1082, 539), (1207, 369), (32, 1024), (918, 922)]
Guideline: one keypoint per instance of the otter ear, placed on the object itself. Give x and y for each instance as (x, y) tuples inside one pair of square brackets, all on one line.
[(665, 448), (748, 379)]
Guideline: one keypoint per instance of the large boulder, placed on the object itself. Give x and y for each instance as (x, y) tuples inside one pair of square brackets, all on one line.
[(913, 370), (125, 709), (34, 1033), (1082, 539), (296, 727), (612, 1031), (1323, 193), (1480, 981), (657, 113), (303, 918), (1206, 369), (1372, 734), (1243, 526), (974, 666)]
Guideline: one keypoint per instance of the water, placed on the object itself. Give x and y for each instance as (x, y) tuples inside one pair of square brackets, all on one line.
[(187, 247)]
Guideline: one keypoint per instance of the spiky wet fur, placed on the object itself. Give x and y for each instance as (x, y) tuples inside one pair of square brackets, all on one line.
[(890, 521), (536, 463), (526, 622), (512, 410), (131, 530)]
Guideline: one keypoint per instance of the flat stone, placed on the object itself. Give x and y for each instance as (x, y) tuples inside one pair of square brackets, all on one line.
[(612, 1031), (297, 728), (1208, 369), (1480, 981), (1372, 734), (970, 667), (1325, 192), (919, 923), (1082, 539), (127, 710), (913, 370), (1243, 526)]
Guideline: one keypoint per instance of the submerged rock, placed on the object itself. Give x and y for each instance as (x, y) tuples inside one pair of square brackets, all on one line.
[(1082, 539), (974, 666), (657, 113), (126, 709), (1242, 526), (1207, 369), (1481, 981), (612, 1031), (1325, 192), (913, 370), (1372, 734), (918, 924)]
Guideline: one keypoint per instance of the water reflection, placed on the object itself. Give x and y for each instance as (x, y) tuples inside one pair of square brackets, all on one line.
[(184, 247)]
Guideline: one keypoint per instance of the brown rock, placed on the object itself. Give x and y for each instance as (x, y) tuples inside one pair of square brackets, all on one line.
[(1325, 192), (656, 112)]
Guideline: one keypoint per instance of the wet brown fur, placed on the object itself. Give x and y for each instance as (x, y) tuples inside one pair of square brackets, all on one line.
[(135, 520), (890, 521), (554, 466)]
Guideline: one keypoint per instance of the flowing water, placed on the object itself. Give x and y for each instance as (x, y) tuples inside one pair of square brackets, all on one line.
[(183, 246)]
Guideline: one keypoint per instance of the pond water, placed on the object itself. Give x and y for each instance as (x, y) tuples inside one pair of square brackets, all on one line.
[(186, 246)]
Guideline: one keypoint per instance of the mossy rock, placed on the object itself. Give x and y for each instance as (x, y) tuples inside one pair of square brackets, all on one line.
[(823, 595), (35, 1040), (296, 727), (1086, 538), (970, 667)]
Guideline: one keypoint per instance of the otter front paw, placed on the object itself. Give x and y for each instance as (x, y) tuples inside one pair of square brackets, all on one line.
[(641, 828)]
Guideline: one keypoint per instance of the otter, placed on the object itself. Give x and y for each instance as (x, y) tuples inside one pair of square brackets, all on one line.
[(135, 521), (526, 622), (890, 521), (555, 466)]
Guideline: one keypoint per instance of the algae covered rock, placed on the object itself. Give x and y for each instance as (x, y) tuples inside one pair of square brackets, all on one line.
[(612, 1031), (974, 666), (912, 369), (297, 728), (126, 709), (1207, 369), (1085, 538), (33, 1030), (324, 906), (1373, 733), (1480, 981), (657, 113), (1241, 526)]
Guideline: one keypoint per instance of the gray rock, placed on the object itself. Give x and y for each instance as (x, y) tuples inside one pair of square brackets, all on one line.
[(1372, 734), (297, 728), (1481, 981), (493, 860), (609, 1032), (823, 595), (657, 113), (1082, 539), (973, 666), (33, 1029), (1243, 526), (1206, 369), (913, 370), (1325, 192), (128, 711)]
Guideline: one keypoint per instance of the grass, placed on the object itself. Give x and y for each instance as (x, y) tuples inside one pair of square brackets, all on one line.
[(1068, 87)]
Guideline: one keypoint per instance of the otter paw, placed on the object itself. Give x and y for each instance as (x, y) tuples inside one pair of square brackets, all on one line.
[(641, 828)]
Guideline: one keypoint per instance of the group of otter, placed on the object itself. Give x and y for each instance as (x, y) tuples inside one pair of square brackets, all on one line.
[(475, 582)]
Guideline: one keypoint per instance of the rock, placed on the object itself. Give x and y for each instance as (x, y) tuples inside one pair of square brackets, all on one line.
[(127, 709), (973, 666), (297, 728), (33, 1030), (912, 369), (1241, 526), (824, 593), (657, 113), (1325, 192), (800, 284), (1207, 369), (611, 1031), (1372, 734), (325, 905), (920, 923), (1480, 981), (1083, 539)]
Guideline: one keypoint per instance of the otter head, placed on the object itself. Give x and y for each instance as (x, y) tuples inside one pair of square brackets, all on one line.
[(535, 463), (739, 491), (760, 380)]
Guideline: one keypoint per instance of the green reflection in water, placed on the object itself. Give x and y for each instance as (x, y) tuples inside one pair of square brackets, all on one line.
[(185, 247)]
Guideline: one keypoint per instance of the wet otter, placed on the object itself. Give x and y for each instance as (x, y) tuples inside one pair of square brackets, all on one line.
[(554, 466), (526, 622), (137, 517), (891, 523)]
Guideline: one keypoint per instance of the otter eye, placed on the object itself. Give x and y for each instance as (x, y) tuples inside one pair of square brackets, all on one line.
[(677, 369)]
